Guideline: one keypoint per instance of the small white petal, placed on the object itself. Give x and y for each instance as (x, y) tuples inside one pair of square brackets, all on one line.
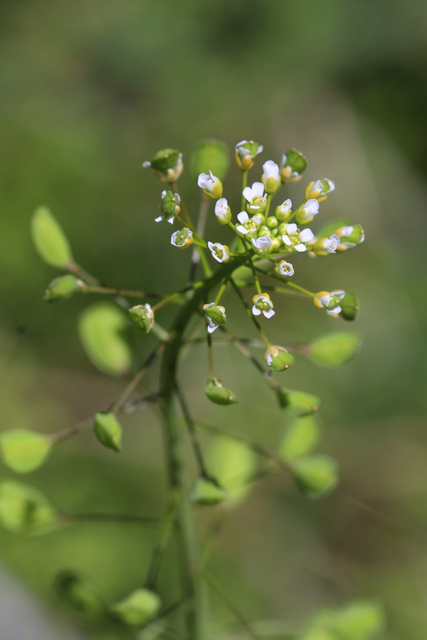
[(269, 314), (306, 235), (242, 217), (286, 240), (300, 248), (256, 220), (258, 189), (291, 228), (212, 328), (241, 229), (159, 219), (248, 194), (146, 164), (256, 311)]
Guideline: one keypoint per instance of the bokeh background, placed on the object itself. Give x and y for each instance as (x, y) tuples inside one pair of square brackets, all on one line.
[(89, 91)]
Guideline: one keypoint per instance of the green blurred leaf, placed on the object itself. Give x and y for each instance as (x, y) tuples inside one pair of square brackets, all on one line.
[(298, 402), (358, 620), (207, 491), (233, 464), (210, 155), (49, 239), (24, 509), (334, 349), (316, 476), (108, 430), (103, 331), (300, 437), (138, 608), (317, 634), (23, 450)]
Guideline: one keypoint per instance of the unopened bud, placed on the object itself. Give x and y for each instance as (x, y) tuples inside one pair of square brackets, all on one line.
[(284, 211), (307, 211), (325, 246), (319, 189), (222, 211), (350, 236), (211, 185), (142, 316), (271, 176), (246, 153)]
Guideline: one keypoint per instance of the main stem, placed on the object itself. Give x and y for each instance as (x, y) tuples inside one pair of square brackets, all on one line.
[(176, 462)]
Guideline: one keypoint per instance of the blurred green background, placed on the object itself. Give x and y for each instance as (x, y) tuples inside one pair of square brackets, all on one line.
[(92, 89)]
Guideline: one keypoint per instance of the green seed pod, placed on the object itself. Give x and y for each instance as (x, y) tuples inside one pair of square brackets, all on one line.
[(62, 288), (207, 491), (300, 437), (166, 164), (334, 349), (278, 358), (292, 166), (298, 403), (216, 313), (349, 306), (210, 155), (234, 464), (24, 509), (219, 394), (49, 239), (316, 476), (142, 316), (78, 593), (23, 450), (108, 430), (103, 328), (139, 608)]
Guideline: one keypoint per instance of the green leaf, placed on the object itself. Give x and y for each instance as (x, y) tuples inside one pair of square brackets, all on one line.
[(78, 593), (300, 438), (108, 430), (233, 464), (358, 620), (317, 634), (298, 403), (316, 476), (24, 509), (103, 331), (210, 155), (330, 227), (207, 491), (334, 349), (138, 608), (49, 239), (23, 450)]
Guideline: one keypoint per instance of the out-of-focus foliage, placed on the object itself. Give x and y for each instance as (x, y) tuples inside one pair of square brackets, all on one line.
[(90, 91)]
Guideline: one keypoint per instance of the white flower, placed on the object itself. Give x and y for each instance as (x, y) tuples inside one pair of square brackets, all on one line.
[(222, 211), (295, 239), (247, 225), (331, 244), (284, 210), (284, 268), (220, 252), (170, 206), (211, 185), (319, 189), (262, 304), (182, 238), (271, 176), (350, 236), (262, 245), (308, 211), (257, 199), (329, 301), (215, 316), (246, 153)]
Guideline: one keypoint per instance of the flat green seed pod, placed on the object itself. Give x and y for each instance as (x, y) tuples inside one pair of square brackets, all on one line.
[(49, 239)]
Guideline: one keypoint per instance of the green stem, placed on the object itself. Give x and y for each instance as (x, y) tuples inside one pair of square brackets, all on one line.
[(175, 455)]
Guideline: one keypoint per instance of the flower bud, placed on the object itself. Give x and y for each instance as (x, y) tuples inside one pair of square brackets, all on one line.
[(23, 450), (142, 316), (284, 268), (62, 288), (108, 431), (349, 304), (246, 153), (166, 164), (210, 155), (325, 246), (219, 394), (78, 593), (272, 222), (350, 236), (316, 476), (271, 176), (207, 491), (141, 606), (182, 239), (169, 207), (319, 189), (214, 315), (307, 211), (211, 185), (292, 166), (278, 358), (284, 211), (222, 211)]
